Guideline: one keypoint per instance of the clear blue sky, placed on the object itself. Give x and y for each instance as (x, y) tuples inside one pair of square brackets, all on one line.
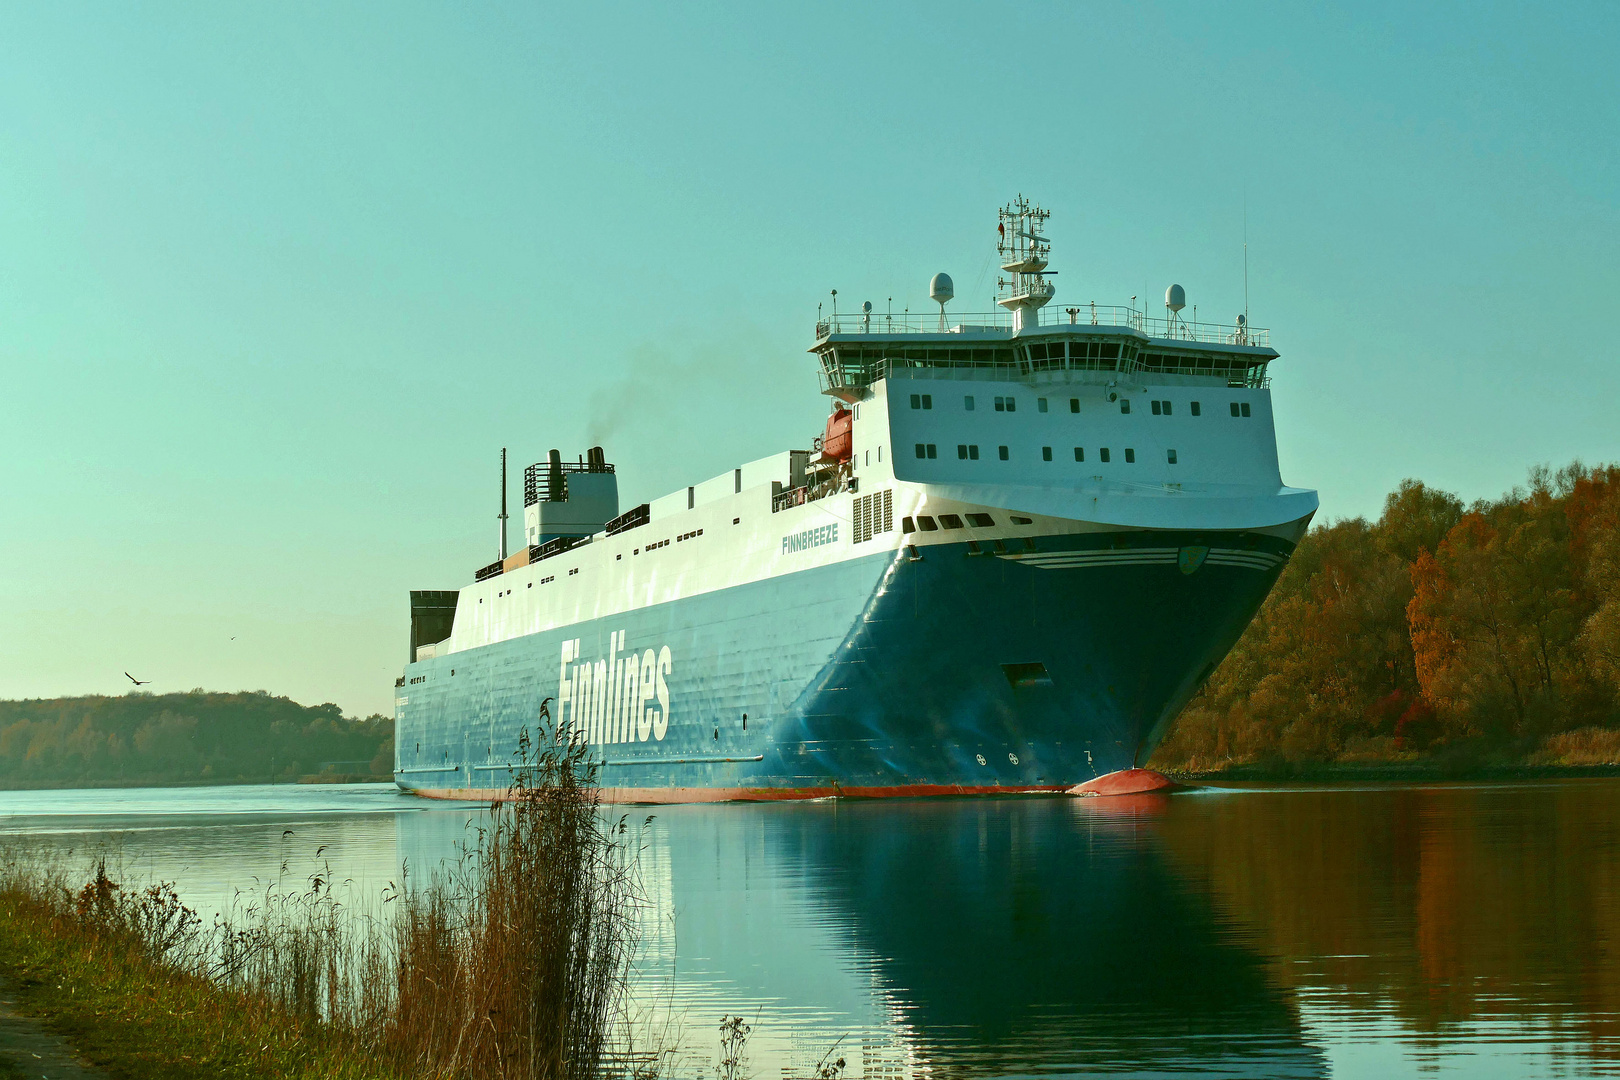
[(278, 282)]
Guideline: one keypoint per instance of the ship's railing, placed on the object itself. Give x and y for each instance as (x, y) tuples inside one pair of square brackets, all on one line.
[(1099, 315), (1254, 378)]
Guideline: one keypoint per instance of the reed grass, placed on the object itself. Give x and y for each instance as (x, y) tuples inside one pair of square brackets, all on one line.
[(511, 964)]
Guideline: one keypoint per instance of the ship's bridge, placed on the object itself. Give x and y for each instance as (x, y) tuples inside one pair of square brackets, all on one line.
[(857, 350)]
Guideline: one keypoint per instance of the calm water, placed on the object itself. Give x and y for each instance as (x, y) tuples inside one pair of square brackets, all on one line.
[(1371, 932)]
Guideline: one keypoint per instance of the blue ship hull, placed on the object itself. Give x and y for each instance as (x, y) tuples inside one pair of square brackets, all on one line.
[(963, 670)]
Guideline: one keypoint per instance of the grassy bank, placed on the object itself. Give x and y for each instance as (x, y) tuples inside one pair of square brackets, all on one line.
[(139, 1016), (510, 964)]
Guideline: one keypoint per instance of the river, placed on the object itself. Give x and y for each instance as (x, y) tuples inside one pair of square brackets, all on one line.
[(1356, 932)]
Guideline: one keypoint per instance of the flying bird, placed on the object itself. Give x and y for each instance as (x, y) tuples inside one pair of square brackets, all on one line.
[(137, 682)]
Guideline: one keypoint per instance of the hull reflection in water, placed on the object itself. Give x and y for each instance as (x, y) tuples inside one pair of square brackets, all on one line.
[(982, 937)]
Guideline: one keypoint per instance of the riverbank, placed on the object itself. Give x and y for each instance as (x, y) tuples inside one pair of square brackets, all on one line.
[(138, 1018), (1387, 772), (12, 784)]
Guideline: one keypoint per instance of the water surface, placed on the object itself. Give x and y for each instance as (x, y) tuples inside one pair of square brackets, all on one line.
[(1378, 931)]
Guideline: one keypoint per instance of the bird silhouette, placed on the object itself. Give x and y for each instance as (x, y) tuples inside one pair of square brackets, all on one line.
[(137, 682)]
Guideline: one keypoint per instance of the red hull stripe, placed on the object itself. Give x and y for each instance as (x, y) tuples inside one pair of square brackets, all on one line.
[(745, 794)]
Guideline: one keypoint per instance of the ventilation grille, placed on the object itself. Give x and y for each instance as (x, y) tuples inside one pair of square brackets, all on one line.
[(874, 514)]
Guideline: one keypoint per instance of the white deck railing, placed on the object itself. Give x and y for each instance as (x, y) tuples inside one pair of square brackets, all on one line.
[(1099, 315)]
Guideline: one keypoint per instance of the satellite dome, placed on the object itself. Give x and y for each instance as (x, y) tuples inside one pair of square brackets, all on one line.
[(940, 289), (1175, 298)]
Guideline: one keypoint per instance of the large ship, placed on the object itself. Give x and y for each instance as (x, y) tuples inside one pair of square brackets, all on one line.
[(1022, 543)]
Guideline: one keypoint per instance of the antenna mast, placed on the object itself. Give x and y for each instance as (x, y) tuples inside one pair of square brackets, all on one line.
[(502, 544), (1024, 254)]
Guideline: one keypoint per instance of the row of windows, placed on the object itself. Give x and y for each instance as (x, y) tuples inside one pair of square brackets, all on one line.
[(950, 521), (1161, 406), (970, 452), (1165, 408)]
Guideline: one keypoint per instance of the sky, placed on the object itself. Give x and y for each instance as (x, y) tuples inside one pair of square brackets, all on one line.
[(277, 282)]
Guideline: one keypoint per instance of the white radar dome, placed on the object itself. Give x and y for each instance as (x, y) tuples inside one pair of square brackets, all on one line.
[(1175, 298), (940, 289)]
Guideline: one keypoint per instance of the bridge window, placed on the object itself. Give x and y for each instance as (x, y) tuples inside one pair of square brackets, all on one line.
[(950, 521), (907, 525), (981, 521), (926, 524)]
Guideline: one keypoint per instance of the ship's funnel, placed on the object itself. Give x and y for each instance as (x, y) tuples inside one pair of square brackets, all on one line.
[(555, 492)]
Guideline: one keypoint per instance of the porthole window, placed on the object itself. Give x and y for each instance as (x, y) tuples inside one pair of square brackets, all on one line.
[(922, 450), (1235, 409), (1245, 408), (1046, 453), (1171, 456), (1074, 404), (967, 403), (1155, 407), (1040, 404), (1003, 451), (1130, 456), (933, 450), (1125, 405), (973, 451), (1079, 453), (1102, 455), (1195, 410)]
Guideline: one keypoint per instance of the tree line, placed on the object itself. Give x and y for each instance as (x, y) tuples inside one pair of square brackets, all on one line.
[(195, 737), (1465, 635)]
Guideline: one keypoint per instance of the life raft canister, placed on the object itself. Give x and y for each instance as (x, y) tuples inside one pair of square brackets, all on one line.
[(838, 443)]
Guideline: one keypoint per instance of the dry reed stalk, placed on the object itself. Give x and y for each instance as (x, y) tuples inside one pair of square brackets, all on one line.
[(514, 966)]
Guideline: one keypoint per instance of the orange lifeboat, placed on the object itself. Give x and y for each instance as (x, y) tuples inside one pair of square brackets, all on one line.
[(837, 444)]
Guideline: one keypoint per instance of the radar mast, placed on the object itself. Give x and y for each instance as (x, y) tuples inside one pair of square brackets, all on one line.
[(1024, 254)]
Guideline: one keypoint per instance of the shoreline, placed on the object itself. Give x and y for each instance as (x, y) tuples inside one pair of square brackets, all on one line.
[(308, 780), (1420, 772)]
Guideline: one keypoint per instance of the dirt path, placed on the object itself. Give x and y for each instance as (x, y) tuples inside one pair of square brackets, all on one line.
[(28, 1049)]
